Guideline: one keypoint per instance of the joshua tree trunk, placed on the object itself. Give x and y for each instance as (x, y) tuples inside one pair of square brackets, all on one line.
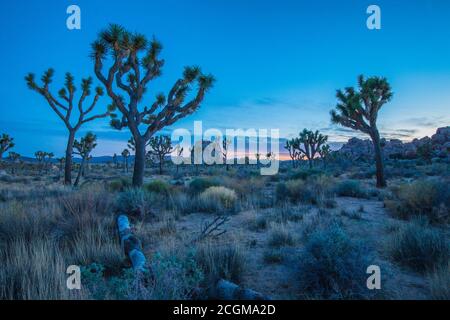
[(68, 163), (77, 181), (381, 181), (161, 159), (139, 162)]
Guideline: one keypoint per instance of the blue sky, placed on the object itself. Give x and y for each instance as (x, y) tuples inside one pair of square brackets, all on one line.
[(277, 63)]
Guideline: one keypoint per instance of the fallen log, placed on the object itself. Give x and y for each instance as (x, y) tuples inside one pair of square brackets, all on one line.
[(226, 290), (130, 244)]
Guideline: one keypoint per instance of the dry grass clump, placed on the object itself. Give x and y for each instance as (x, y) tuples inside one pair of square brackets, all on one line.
[(440, 283), (280, 236), (427, 198)]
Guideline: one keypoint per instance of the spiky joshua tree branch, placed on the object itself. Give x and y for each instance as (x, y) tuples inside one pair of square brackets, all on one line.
[(134, 63), (6, 143)]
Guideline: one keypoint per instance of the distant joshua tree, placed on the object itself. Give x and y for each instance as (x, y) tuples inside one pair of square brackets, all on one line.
[(292, 146), (63, 107), (115, 162), (6, 143), (125, 155), (179, 153), (83, 148), (325, 153), (160, 147), (40, 157), (13, 157), (358, 110), (225, 144), (312, 142), (128, 75)]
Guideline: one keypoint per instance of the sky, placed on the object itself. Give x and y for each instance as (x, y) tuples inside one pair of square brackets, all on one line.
[(278, 64)]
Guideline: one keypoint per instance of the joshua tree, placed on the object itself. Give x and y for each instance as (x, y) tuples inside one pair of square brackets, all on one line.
[(83, 148), (63, 107), (61, 162), (312, 142), (136, 60), (160, 147), (125, 155), (13, 157), (358, 110), (115, 162), (6, 143), (325, 152), (179, 153), (292, 146), (225, 144), (40, 157)]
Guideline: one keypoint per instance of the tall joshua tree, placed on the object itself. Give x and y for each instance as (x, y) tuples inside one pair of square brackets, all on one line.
[(358, 109), (312, 143), (64, 105), (6, 143), (135, 62), (160, 147), (83, 148)]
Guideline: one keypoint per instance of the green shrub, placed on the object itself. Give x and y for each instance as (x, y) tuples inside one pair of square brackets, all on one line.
[(134, 201), (158, 186), (199, 185), (119, 185), (332, 266), (350, 188), (419, 247)]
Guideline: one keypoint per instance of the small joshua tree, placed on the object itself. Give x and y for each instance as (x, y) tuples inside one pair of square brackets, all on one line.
[(40, 157), (179, 153), (64, 106), (225, 144), (292, 147), (125, 155), (311, 142), (115, 162), (6, 143), (83, 148), (160, 147), (13, 157), (325, 152), (136, 62), (358, 110)]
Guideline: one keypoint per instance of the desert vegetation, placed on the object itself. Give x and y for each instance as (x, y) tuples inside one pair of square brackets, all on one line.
[(308, 232)]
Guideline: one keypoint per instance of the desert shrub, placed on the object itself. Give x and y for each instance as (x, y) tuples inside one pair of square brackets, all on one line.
[(216, 199), (350, 188), (273, 256), (332, 266), (419, 247), (217, 261), (258, 223), (158, 186), (119, 185), (440, 283), (304, 174), (299, 191), (281, 192), (134, 201), (427, 198), (280, 236), (172, 278), (199, 185)]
